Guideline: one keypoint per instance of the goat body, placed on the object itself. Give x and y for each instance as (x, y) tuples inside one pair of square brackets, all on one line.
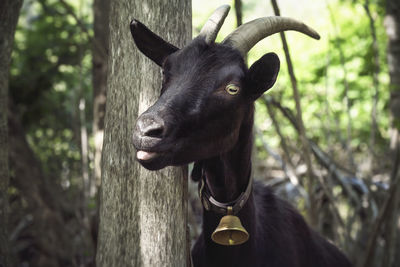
[(279, 237)]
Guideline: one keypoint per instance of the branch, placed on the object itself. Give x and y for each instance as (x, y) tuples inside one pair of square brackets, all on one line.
[(346, 89), (391, 221), (271, 114), (375, 76), (323, 158), (289, 172), (303, 139)]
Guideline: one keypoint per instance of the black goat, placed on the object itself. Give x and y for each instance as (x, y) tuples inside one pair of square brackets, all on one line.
[(205, 115)]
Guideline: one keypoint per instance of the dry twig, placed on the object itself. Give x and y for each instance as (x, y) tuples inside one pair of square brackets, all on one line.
[(299, 118)]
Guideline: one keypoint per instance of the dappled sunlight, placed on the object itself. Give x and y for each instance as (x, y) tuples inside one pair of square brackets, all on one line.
[(341, 173)]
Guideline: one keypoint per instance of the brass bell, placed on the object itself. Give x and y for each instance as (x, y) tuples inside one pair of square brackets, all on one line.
[(230, 231)]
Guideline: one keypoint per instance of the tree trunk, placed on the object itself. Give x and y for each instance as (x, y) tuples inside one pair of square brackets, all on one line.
[(389, 213), (9, 13), (143, 215), (392, 25), (99, 48)]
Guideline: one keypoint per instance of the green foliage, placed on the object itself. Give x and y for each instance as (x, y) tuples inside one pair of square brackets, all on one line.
[(51, 71), (344, 54)]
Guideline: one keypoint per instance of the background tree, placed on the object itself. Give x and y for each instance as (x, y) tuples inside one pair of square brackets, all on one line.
[(9, 13), (100, 53), (142, 214), (392, 25)]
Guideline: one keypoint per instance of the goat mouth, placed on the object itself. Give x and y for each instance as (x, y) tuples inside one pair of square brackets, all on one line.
[(152, 160)]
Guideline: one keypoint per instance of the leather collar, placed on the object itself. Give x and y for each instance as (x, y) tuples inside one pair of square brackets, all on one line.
[(211, 204)]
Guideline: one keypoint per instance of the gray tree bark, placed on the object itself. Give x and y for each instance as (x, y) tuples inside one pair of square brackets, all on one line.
[(143, 215), (9, 13), (100, 51), (392, 25), (389, 213)]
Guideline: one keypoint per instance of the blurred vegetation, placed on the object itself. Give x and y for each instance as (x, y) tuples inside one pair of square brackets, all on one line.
[(51, 74)]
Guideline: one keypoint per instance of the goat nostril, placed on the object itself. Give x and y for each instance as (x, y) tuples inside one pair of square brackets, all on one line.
[(155, 132), (150, 126)]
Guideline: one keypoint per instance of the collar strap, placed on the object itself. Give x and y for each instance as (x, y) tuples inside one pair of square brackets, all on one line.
[(211, 204)]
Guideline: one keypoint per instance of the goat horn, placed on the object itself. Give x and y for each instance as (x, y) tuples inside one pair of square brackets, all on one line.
[(214, 24), (250, 33)]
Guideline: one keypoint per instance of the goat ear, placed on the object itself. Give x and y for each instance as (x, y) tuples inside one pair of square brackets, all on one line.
[(150, 44), (262, 74)]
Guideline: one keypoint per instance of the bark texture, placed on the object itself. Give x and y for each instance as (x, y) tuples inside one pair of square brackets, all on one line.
[(392, 25), (143, 215), (100, 50), (9, 13)]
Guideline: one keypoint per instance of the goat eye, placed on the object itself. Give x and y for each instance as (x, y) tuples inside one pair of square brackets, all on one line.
[(232, 89)]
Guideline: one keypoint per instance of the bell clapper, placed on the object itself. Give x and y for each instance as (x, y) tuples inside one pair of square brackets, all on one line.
[(231, 241)]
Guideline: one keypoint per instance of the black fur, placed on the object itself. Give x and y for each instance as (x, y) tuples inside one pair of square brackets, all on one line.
[(279, 238), (197, 120)]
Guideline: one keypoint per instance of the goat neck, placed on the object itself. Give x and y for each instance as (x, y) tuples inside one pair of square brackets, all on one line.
[(228, 174)]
